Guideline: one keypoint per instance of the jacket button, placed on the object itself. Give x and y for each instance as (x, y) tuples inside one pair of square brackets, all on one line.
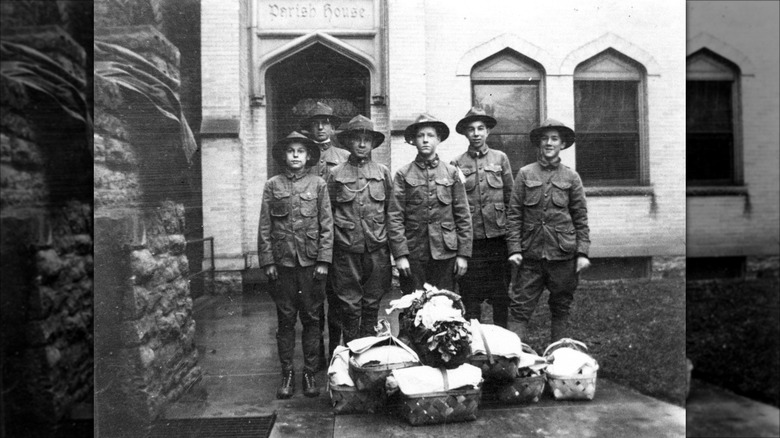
[(545, 195)]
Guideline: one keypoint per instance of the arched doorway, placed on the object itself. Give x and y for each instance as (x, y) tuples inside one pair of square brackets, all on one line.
[(316, 73)]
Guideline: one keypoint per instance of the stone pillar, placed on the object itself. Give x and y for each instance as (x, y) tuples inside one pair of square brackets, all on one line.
[(145, 347), (46, 222)]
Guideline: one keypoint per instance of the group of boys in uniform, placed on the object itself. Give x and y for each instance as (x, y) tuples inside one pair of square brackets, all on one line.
[(332, 220)]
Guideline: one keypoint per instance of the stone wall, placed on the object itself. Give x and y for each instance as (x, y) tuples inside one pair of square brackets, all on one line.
[(145, 346), (46, 215)]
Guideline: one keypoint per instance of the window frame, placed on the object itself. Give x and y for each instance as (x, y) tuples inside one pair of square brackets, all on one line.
[(722, 70), (623, 69), (534, 73)]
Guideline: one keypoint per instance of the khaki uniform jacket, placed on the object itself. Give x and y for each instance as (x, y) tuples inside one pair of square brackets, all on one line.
[(429, 213), (296, 223), (329, 158), (488, 188), (360, 192), (548, 215)]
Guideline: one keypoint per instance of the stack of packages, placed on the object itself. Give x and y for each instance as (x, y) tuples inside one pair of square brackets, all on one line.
[(445, 388), (512, 371), (357, 372), (572, 371)]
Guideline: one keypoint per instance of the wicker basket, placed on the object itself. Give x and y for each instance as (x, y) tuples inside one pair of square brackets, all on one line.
[(441, 407), (348, 400), (522, 390), (372, 376), (494, 368), (577, 387)]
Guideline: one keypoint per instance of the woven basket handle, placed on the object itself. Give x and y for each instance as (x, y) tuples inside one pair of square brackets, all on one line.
[(485, 342), (445, 378)]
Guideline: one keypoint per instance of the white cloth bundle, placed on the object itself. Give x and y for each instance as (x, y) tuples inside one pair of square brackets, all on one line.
[(383, 349), (424, 379), (338, 371), (567, 361), (503, 342)]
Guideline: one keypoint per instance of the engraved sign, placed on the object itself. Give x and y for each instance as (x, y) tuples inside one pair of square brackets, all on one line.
[(315, 14)]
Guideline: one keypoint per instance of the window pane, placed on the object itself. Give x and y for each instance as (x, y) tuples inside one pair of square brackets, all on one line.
[(606, 106), (606, 116), (517, 147), (709, 158), (610, 158), (514, 106), (708, 106)]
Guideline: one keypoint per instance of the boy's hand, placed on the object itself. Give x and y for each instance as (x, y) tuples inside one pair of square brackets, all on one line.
[(321, 271), (516, 259), (271, 273), (461, 266), (402, 264), (582, 263)]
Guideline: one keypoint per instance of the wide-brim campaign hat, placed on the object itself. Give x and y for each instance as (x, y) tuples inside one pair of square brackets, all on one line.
[(359, 123), (320, 111), (426, 120), (279, 149), (566, 133), (474, 114)]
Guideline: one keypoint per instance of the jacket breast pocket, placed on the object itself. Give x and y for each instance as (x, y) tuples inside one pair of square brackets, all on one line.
[(533, 192), (415, 191), (344, 193), (494, 176), (560, 193), (376, 189), (449, 236), (280, 209), (444, 190), (308, 204), (471, 178), (567, 238)]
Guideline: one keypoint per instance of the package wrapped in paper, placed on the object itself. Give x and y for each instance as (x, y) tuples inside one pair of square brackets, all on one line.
[(338, 371), (418, 380)]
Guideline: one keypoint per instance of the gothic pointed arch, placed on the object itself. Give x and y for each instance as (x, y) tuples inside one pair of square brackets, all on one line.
[(610, 41), (306, 41), (706, 41), (500, 43)]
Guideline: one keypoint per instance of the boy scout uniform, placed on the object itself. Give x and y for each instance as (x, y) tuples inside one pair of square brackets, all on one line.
[(548, 225), (429, 217), (295, 233), (488, 188), (330, 154), (361, 273)]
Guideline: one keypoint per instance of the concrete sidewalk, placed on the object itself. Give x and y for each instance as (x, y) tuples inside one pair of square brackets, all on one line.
[(715, 412), (236, 339)]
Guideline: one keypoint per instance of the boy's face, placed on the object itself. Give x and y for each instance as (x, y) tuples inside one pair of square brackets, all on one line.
[(296, 156), (550, 143), (477, 133), (426, 141), (360, 144), (321, 129)]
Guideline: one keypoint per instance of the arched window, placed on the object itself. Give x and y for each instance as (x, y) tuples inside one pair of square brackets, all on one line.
[(713, 153), (610, 120), (509, 86)]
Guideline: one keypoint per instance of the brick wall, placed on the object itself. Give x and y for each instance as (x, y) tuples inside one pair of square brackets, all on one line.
[(429, 47), (739, 225)]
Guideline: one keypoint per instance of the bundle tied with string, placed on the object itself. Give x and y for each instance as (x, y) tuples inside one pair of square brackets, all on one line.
[(431, 322)]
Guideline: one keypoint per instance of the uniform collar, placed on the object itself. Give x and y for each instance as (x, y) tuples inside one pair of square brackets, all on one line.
[(358, 161), (290, 175), (324, 146), (422, 163), (478, 153), (548, 164)]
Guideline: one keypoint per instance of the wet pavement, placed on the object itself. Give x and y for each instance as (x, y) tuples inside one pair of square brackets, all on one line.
[(236, 339)]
